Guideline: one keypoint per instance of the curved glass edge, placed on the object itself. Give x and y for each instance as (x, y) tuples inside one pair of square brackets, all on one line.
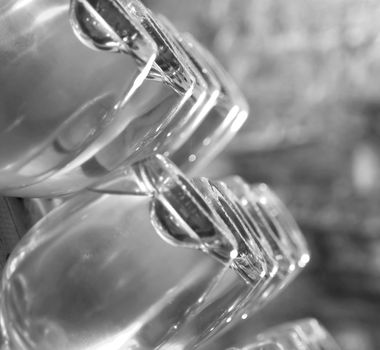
[(158, 177), (109, 26), (284, 243), (169, 187), (168, 67), (209, 89), (282, 217), (252, 261), (167, 57), (224, 119), (91, 150)]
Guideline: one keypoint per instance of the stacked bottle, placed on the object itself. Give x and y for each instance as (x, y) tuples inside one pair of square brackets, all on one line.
[(140, 256)]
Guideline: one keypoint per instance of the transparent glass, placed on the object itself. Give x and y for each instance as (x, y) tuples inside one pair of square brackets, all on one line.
[(225, 118), (261, 346), (166, 269), (273, 224), (223, 114), (307, 334), (266, 346), (256, 231), (59, 99), (161, 104)]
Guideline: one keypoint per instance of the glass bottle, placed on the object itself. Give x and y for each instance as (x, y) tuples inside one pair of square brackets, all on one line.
[(167, 269), (223, 114), (274, 224), (157, 107), (58, 98), (306, 334)]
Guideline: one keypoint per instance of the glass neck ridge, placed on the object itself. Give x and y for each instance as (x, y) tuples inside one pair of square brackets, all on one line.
[(199, 215), (105, 25), (127, 26)]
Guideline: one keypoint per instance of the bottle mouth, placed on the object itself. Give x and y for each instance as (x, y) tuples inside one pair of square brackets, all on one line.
[(171, 65), (251, 260), (129, 27), (274, 222), (200, 214), (226, 108), (180, 213), (101, 25), (284, 224), (109, 25), (245, 226)]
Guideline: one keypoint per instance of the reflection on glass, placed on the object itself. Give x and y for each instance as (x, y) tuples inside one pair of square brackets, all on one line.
[(53, 108), (179, 92), (223, 113), (167, 269), (305, 334), (263, 346)]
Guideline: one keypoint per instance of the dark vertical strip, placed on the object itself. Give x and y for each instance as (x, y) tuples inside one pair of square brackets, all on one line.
[(14, 222)]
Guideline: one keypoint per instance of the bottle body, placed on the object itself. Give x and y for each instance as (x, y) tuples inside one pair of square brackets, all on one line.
[(102, 86), (100, 276), (94, 273), (57, 95), (167, 268)]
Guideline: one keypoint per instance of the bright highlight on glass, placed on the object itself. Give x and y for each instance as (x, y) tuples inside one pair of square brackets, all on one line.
[(168, 268), (109, 85)]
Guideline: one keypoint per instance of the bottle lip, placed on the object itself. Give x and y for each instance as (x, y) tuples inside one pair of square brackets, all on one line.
[(178, 61), (275, 223), (267, 237), (229, 244), (110, 26), (127, 26), (287, 227), (226, 108), (252, 261), (231, 95), (192, 54), (252, 235), (159, 177), (171, 65)]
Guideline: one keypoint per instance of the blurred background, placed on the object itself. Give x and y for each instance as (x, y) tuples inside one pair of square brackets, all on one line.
[(311, 72)]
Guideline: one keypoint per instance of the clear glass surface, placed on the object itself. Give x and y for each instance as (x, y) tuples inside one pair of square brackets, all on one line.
[(157, 114), (90, 276), (263, 346), (182, 129), (225, 118), (272, 223), (59, 100), (254, 235), (307, 334), (102, 271)]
